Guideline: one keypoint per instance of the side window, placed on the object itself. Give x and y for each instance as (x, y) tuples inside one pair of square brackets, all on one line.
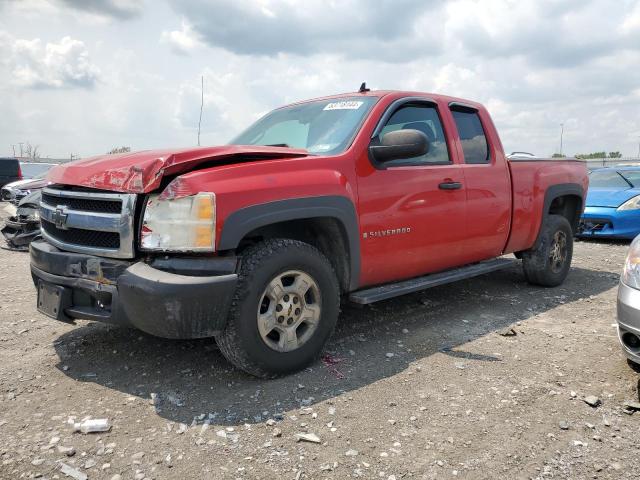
[(472, 137), (425, 119)]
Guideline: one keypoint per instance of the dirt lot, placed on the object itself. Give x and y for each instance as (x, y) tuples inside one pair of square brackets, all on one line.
[(418, 387)]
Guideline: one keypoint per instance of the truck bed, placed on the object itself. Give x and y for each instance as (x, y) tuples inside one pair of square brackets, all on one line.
[(530, 179)]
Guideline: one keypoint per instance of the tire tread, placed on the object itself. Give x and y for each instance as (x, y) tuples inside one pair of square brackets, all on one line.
[(250, 262), (535, 262)]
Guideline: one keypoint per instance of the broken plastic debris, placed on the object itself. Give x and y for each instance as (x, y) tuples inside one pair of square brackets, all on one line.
[(72, 472), (92, 426), (308, 437)]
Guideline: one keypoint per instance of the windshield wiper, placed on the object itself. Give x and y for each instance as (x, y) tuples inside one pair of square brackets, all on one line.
[(626, 180), (278, 145)]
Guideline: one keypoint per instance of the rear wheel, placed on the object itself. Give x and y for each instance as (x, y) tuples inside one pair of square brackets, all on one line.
[(548, 264), (284, 310)]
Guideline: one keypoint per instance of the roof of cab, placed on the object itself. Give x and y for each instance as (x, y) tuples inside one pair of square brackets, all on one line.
[(399, 93)]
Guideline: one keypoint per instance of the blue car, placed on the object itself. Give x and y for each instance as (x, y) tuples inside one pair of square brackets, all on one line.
[(613, 204)]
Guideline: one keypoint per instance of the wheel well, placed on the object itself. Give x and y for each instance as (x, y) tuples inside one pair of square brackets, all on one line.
[(327, 234), (569, 206)]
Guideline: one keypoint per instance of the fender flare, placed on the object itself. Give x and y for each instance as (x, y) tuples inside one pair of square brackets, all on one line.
[(555, 191), (242, 221)]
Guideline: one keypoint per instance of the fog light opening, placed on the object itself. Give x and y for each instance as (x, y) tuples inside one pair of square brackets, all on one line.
[(631, 340)]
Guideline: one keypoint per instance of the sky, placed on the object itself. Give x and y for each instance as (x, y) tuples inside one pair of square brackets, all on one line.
[(84, 76)]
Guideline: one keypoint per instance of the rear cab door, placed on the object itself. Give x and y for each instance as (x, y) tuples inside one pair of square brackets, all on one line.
[(487, 181), (412, 211)]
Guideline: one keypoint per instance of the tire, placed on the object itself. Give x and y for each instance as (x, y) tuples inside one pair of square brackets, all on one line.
[(270, 272), (636, 368), (548, 264)]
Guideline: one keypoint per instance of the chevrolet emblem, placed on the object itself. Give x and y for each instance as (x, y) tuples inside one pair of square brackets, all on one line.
[(60, 218)]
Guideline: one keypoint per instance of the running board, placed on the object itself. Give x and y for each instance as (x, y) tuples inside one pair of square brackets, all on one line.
[(390, 290)]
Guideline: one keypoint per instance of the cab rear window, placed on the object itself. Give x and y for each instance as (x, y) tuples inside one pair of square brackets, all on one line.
[(472, 136)]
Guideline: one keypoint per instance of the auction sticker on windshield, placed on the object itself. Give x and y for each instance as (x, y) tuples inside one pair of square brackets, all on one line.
[(345, 105)]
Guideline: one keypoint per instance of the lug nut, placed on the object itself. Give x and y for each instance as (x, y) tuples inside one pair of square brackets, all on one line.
[(290, 321), (295, 299), (280, 319), (286, 298), (297, 311), (278, 308)]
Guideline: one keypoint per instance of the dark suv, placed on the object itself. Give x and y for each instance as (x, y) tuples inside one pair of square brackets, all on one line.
[(9, 171)]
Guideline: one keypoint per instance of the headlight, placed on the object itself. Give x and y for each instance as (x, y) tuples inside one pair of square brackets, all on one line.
[(182, 224), (631, 204), (631, 271)]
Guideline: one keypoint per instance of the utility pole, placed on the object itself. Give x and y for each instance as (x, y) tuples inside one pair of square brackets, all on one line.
[(20, 143), (14, 150), (201, 105), (561, 135)]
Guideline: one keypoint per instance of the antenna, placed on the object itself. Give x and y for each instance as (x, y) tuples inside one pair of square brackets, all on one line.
[(201, 105), (363, 88)]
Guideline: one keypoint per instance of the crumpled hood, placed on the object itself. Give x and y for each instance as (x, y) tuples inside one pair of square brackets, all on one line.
[(609, 197), (142, 172)]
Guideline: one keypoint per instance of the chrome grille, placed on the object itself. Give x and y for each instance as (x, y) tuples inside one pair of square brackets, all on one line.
[(98, 223), (85, 204)]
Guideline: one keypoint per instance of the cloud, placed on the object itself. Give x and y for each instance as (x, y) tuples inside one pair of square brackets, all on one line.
[(390, 30), (182, 41), (549, 33), (534, 63), (118, 9), (31, 64), (546, 32)]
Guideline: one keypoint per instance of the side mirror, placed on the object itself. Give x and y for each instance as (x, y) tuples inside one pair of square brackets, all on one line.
[(400, 144)]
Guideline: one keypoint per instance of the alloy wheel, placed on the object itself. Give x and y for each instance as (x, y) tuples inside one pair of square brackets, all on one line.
[(289, 311)]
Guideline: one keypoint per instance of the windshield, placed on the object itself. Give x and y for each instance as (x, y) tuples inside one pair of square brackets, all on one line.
[(34, 170), (325, 126), (614, 179)]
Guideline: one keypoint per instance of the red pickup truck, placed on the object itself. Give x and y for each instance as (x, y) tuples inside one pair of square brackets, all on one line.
[(360, 196)]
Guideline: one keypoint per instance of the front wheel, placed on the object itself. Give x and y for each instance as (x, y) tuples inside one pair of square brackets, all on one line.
[(284, 310), (548, 264)]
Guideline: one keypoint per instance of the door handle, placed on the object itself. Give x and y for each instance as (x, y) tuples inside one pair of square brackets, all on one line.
[(450, 186)]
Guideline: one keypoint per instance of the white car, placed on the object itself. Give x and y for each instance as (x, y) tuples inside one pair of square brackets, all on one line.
[(521, 155), (32, 176), (15, 191)]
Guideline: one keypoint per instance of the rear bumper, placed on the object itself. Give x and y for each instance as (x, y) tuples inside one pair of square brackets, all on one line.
[(159, 302), (628, 306), (605, 222)]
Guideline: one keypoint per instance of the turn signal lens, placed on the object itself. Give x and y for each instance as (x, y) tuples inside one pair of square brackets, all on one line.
[(204, 207)]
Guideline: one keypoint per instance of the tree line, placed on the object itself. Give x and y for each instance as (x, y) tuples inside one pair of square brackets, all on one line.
[(587, 156)]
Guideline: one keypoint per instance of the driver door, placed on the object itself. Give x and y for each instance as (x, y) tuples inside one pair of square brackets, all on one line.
[(412, 210)]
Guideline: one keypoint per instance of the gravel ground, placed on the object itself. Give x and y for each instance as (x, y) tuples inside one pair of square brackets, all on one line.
[(431, 385)]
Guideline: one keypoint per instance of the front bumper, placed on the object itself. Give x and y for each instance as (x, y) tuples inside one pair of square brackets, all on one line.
[(7, 194), (628, 306), (18, 232), (182, 297), (606, 222), (19, 195)]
